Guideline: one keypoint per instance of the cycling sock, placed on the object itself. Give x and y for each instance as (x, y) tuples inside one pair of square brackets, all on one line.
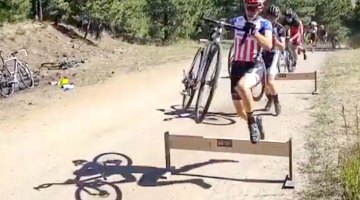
[(251, 118), (276, 98), (269, 97)]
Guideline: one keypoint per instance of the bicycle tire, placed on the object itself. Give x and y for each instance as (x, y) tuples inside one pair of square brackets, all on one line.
[(28, 81), (191, 90), (103, 194), (230, 58), (123, 157), (262, 87), (51, 66), (214, 50), (5, 78), (290, 61)]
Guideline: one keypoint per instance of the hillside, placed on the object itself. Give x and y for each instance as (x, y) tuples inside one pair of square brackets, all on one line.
[(103, 59)]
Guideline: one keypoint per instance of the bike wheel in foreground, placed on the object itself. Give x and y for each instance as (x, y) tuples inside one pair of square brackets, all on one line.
[(190, 80), (97, 189), (208, 82)]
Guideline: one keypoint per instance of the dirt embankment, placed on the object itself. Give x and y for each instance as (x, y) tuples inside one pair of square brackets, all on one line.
[(103, 59)]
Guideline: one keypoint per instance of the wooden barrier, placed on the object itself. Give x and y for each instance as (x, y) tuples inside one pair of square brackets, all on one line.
[(228, 145), (300, 76)]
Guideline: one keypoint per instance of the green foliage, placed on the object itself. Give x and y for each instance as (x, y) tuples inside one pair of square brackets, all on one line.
[(170, 20), (14, 10), (350, 175)]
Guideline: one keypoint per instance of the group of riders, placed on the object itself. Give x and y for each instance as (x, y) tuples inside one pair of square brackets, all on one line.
[(266, 40)]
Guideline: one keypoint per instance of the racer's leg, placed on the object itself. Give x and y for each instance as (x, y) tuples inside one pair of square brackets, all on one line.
[(246, 82), (268, 57), (273, 93), (236, 72)]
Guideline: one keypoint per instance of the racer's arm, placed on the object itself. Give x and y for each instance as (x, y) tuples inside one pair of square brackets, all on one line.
[(265, 40), (280, 43)]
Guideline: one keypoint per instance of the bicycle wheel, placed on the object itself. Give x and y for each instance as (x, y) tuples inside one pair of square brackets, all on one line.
[(290, 63), (259, 89), (116, 159), (208, 82), (98, 189), (190, 80), (26, 76), (7, 87), (230, 58)]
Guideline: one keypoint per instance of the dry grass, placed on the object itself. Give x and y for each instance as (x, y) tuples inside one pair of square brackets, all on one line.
[(335, 130)]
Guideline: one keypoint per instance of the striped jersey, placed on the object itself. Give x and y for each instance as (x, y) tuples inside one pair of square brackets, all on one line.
[(250, 50)]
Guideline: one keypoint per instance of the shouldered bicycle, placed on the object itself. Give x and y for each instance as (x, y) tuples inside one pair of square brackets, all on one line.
[(204, 71)]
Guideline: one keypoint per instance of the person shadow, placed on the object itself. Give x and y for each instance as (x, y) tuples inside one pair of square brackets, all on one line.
[(93, 175)]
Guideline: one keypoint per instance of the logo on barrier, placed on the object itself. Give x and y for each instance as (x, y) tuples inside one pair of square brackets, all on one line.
[(224, 143), (282, 75)]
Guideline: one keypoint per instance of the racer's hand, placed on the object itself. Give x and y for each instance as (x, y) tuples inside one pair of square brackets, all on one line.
[(250, 27)]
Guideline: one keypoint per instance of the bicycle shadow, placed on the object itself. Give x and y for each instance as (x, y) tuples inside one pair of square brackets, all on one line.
[(97, 174), (263, 112), (211, 118), (94, 174)]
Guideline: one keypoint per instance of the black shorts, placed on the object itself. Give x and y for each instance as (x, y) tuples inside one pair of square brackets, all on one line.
[(268, 58), (239, 69), (312, 36)]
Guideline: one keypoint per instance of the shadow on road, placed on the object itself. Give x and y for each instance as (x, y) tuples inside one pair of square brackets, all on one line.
[(100, 177), (211, 118)]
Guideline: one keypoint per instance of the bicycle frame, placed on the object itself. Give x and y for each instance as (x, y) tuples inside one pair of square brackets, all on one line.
[(216, 38), (12, 57)]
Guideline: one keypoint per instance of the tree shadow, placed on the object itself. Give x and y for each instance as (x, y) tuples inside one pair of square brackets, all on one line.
[(211, 118), (72, 33)]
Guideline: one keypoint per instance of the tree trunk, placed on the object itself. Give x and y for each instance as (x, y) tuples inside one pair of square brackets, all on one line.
[(40, 10), (166, 21), (87, 29), (36, 11)]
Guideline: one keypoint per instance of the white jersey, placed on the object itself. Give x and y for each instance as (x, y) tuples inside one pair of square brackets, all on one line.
[(249, 50), (313, 29)]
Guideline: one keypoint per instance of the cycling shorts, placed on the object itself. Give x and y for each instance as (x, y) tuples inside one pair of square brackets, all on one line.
[(239, 69)]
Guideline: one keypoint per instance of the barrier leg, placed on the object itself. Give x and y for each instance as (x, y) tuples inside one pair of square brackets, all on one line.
[(316, 84), (289, 182), (168, 167)]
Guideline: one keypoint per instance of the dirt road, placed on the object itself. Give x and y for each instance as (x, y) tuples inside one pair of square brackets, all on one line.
[(125, 115)]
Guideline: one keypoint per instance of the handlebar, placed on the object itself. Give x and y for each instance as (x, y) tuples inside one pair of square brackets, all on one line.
[(16, 52), (222, 23)]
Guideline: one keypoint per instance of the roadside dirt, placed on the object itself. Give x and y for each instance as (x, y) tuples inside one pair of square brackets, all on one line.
[(103, 59), (129, 114)]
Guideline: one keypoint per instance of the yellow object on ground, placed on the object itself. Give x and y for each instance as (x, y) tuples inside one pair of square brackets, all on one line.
[(64, 81)]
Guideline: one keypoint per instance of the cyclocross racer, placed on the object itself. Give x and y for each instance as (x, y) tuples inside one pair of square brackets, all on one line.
[(271, 59), (322, 34), (313, 33), (296, 32), (247, 70)]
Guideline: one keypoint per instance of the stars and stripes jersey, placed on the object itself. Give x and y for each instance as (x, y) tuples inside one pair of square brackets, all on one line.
[(250, 50)]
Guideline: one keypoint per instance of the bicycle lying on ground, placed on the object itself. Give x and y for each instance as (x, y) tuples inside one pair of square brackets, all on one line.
[(11, 71), (202, 75), (63, 65)]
